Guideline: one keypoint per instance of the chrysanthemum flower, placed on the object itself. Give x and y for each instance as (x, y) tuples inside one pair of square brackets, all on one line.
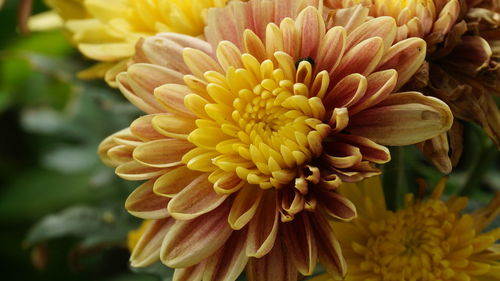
[(247, 139), (461, 66), (106, 31), (430, 19), (427, 240)]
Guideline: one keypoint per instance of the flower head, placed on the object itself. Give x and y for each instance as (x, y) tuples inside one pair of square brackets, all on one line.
[(106, 31), (430, 19), (427, 240), (247, 139)]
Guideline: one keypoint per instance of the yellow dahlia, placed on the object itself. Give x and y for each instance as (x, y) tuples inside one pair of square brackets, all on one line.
[(247, 139), (427, 240), (106, 31)]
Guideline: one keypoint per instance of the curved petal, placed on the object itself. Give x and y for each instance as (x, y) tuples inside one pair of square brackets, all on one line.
[(143, 129), (263, 228), (195, 199), (145, 204), (244, 206), (301, 244), (329, 251), (405, 57), (274, 266), (189, 242), (162, 153), (192, 273), (147, 250), (134, 171), (228, 263), (173, 181), (402, 119)]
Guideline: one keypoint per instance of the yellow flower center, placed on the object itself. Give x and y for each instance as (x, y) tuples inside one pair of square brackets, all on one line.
[(417, 243), (258, 121)]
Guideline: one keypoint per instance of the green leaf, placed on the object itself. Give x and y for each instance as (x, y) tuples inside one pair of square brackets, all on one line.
[(94, 225)]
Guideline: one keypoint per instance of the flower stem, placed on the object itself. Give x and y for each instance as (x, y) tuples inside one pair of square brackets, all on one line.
[(394, 179), (483, 163)]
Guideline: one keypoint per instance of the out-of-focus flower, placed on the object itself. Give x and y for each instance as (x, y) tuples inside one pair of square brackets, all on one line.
[(136, 234), (461, 65), (247, 139), (106, 31), (427, 240)]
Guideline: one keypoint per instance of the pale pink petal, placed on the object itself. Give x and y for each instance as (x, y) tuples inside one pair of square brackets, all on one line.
[(362, 58), (171, 97)]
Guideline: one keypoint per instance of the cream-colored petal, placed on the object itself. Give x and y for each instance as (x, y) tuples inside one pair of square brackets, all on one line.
[(123, 83), (402, 119), (145, 204), (147, 250), (172, 125), (195, 199), (134, 171), (162, 153), (189, 242), (370, 150), (199, 62), (244, 206), (331, 49), (174, 180)]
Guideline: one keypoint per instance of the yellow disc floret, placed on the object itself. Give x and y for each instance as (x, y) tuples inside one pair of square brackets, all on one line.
[(263, 126)]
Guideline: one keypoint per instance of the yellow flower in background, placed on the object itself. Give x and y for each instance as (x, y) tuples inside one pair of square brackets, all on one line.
[(426, 240), (135, 235), (106, 31)]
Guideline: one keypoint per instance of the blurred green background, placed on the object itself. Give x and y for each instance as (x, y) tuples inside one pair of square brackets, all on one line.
[(61, 210)]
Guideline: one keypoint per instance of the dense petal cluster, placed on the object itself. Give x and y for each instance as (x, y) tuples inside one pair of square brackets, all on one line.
[(106, 31), (429, 19), (427, 240), (461, 65), (247, 139)]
